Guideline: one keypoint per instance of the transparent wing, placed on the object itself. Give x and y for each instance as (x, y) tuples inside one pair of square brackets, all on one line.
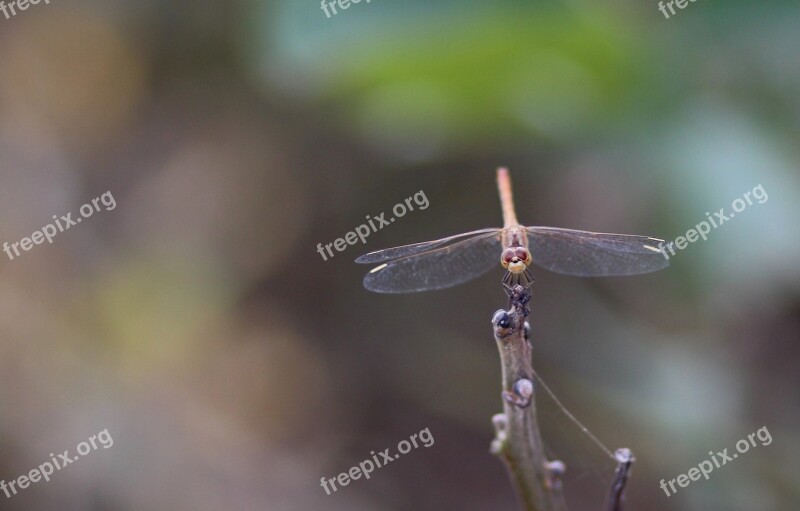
[(388, 254), (593, 254), (438, 268)]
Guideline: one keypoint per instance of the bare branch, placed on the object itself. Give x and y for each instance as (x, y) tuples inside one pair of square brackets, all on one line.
[(624, 459), (518, 441)]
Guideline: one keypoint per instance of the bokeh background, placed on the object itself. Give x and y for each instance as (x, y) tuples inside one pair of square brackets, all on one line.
[(234, 368)]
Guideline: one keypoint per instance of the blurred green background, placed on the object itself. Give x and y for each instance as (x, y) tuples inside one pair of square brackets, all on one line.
[(234, 367)]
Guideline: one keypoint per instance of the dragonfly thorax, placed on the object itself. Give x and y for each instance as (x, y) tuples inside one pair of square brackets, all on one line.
[(515, 259)]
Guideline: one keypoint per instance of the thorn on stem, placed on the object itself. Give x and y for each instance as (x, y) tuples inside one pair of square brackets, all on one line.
[(501, 319), (503, 325), (557, 468), (555, 472), (500, 422), (524, 388), (521, 394)]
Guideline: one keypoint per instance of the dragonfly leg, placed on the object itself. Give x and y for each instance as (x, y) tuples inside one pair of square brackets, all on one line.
[(511, 280), (528, 278), (508, 283)]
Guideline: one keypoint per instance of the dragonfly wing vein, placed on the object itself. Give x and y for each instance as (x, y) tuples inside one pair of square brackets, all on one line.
[(591, 254), (387, 254), (439, 268)]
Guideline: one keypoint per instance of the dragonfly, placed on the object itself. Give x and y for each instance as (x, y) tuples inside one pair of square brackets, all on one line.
[(457, 259)]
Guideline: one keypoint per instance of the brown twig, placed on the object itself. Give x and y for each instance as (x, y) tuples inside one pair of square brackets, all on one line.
[(624, 459), (518, 441)]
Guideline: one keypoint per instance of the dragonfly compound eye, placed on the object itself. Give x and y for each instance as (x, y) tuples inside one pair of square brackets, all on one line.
[(507, 257), (523, 254)]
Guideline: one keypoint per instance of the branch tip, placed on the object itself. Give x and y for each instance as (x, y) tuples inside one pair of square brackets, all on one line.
[(624, 456), (625, 459)]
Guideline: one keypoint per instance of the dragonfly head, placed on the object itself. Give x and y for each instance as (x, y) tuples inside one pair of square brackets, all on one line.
[(515, 259)]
